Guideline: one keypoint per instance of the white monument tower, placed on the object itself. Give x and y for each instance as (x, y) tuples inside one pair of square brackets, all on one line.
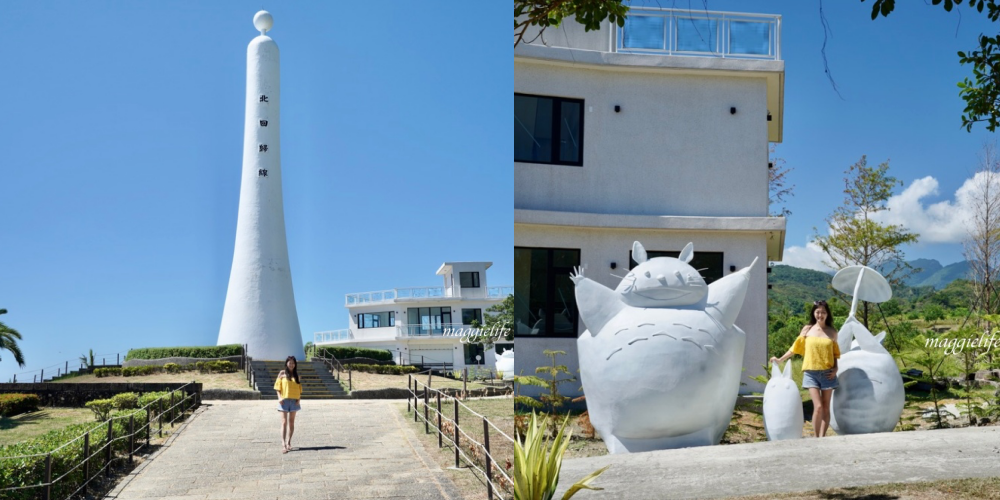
[(260, 305)]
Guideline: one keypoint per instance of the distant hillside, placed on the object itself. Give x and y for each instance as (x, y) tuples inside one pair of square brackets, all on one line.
[(791, 287), (932, 273)]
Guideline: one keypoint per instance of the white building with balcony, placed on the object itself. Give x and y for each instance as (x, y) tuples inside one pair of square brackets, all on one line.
[(425, 325), (658, 132)]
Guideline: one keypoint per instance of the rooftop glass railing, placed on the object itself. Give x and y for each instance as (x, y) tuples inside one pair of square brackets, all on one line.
[(700, 33)]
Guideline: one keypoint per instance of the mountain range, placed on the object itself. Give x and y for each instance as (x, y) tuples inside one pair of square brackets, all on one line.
[(930, 272)]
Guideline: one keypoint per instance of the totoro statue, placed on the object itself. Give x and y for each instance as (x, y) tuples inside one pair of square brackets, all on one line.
[(783, 417), (661, 359)]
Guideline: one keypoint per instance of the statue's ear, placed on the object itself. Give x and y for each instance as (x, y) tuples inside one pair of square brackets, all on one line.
[(788, 370), (688, 253), (880, 337), (775, 370), (638, 253)]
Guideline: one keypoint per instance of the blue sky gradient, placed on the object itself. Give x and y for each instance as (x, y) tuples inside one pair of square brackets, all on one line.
[(120, 176)]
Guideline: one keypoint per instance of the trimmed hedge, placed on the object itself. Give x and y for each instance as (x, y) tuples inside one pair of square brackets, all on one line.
[(213, 351), (384, 369), (16, 404), (138, 371), (357, 352), (30, 470)]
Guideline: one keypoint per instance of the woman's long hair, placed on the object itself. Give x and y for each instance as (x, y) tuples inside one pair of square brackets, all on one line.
[(829, 315), (292, 373)]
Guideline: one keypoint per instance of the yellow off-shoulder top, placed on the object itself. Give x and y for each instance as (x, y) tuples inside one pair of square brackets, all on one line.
[(819, 352)]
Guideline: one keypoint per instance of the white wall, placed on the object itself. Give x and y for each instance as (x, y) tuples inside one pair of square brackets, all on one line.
[(600, 247), (674, 149)]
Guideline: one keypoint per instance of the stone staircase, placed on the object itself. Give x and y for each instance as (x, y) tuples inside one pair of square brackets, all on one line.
[(317, 382)]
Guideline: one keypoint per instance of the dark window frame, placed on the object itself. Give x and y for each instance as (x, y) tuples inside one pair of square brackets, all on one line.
[(550, 299), (471, 350), (361, 324), (473, 276), (556, 130), (477, 315)]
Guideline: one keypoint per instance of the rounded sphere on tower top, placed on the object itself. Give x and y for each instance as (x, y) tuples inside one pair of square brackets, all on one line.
[(263, 21)]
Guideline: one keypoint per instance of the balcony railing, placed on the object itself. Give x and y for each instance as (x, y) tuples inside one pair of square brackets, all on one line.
[(439, 330), (419, 293), (499, 292), (700, 33), (333, 336)]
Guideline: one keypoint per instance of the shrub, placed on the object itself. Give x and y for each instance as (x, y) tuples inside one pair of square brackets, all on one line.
[(125, 401), (356, 352), (172, 368), (31, 470), (150, 397), (384, 369), (933, 312), (16, 404), (107, 372), (134, 371), (101, 408), (220, 351), (216, 366)]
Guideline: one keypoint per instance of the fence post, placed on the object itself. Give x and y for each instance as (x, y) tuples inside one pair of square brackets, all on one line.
[(66, 368), (15, 378), (455, 402), (171, 409), (416, 401), (350, 380), (429, 374), (159, 414), (47, 492), (465, 382), (42, 377), (489, 462), (409, 388), (427, 424), (118, 359), (440, 434), (107, 466), (86, 462), (131, 437), (149, 428)]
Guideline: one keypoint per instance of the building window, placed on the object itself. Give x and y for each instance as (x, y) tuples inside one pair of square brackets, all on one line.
[(428, 320), (473, 350), (544, 296), (548, 130), (468, 279), (708, 264), (376, 320), (472, 314)]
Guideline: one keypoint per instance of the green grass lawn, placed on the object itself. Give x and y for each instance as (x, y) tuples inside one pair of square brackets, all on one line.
[(28, 425)]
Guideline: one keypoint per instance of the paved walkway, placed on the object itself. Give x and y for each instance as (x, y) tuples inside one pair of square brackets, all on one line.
[(344, 449), (791, 466)]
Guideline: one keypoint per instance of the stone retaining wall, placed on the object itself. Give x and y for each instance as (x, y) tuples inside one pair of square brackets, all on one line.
[(179, 360), (76, 395)]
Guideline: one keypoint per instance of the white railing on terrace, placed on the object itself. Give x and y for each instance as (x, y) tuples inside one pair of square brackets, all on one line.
[(333, 336), (436, 330), (422, 292), (699, 33)]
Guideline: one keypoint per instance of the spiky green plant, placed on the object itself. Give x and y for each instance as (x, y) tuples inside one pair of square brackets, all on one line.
[(538, 460)]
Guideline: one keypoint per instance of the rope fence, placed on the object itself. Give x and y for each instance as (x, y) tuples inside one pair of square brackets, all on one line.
[(62, 368), (85, 457), (484, 457)]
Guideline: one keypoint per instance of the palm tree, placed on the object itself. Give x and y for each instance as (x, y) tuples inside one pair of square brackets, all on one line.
[(8, 341)]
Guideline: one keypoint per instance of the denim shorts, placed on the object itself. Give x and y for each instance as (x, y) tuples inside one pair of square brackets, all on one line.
[(818, 379), (288, 405)]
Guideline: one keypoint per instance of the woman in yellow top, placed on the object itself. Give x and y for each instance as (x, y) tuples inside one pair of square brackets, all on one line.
[(289, 391), (817, 343)]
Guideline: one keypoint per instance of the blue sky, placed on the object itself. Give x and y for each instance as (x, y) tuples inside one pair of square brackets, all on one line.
[(124, 128), (897, 77)]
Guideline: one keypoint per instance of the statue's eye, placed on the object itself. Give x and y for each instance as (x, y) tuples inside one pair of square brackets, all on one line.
[(647, 274)]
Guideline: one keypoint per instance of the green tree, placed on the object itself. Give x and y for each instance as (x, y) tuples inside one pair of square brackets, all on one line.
[(8, 341), (982, 93), (856, 237), (498, 320), (546, 13), (87, 359)]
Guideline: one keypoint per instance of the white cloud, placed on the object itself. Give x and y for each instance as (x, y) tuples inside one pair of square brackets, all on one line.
[(808, 257), (942, 222)]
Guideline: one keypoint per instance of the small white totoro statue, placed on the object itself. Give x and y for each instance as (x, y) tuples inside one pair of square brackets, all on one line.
[(783, 417), (505, 364), (661, 359)]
